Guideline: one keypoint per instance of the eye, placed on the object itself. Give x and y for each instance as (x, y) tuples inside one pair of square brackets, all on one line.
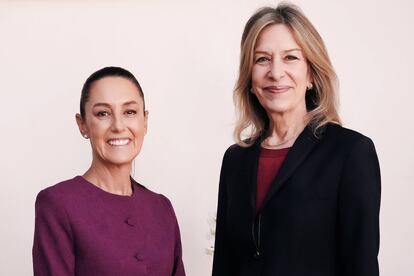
[(291, 57), (102, 114), (130, 112), (262, 60)]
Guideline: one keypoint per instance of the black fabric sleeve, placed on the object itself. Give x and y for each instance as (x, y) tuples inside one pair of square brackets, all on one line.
[(358, 207), (223, 262)]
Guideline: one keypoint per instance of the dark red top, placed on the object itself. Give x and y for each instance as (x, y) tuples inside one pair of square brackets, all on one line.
[(270, 161)]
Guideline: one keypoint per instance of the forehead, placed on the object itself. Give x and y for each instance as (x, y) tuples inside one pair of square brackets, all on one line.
[(114, 90), (276, 37)]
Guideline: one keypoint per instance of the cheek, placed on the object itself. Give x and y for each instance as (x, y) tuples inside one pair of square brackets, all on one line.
[(139, 132), (301, 75), (258, 74), (98, 127), (138, 128)]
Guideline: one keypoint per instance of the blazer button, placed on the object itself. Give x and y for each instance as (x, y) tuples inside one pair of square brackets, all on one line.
[(130, 221), (138, 257), (256, 254)]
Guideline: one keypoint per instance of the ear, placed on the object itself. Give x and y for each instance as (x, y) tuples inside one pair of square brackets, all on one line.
[(82, 126), (309, 84), (146, 121)]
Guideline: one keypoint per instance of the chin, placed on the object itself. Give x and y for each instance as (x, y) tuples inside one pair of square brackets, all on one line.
[(277, 108), (119, 160)]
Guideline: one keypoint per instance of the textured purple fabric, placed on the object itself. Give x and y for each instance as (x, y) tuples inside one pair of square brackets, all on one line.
[(84, 231)]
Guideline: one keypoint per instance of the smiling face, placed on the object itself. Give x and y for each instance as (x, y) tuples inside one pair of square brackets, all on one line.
[(114, 121), (280, 72)]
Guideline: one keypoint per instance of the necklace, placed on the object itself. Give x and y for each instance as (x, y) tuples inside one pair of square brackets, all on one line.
[(266, 144)]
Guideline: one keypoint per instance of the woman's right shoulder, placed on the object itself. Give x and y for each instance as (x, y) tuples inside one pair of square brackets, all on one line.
[(235, 154), (58, 193), (236, 151)]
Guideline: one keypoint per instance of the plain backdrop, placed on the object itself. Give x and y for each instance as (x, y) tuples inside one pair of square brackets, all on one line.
[(185, 54)]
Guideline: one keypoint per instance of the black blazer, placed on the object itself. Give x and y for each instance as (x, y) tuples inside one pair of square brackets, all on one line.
[(320, 216)]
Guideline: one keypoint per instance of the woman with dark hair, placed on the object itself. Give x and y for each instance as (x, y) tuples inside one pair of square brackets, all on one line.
[(299, 195), (104, 222)]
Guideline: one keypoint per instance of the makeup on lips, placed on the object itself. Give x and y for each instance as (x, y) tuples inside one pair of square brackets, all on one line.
[(276, 89)]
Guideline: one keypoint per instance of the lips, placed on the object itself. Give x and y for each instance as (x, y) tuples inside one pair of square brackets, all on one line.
[(118, 142), (277, 88)]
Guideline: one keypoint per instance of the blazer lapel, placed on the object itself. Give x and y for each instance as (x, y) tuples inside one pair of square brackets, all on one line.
[(251, 168), (296, 155)]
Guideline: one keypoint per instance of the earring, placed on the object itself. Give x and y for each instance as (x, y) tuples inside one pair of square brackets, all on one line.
[(85, 136), (309, 87), (251, 90)]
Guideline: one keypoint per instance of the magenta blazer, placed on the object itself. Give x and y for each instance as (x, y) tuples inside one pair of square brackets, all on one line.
[(84, 231)]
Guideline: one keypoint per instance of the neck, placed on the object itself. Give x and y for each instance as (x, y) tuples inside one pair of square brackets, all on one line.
[(284, 128), (112, 179)]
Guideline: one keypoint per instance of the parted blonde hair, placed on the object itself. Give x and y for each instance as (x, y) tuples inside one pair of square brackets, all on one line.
[(321, 100)]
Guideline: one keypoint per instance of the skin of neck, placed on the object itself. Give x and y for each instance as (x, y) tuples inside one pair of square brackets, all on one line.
[(114, 179), (285, 125)]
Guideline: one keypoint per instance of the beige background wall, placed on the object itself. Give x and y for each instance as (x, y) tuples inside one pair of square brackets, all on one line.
[(185, 54)]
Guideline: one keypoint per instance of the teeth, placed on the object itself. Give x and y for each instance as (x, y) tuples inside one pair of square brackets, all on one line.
[(118, 142)]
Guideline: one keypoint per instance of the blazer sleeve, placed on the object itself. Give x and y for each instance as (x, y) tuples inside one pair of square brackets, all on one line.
[(53, 253), (224, 263), (359, 205), (178, 268), (178, 261)]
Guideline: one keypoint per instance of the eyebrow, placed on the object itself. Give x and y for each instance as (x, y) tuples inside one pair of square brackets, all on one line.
[(130, 102), (292, 50), (109, 106), (102, 104), (286, 51)]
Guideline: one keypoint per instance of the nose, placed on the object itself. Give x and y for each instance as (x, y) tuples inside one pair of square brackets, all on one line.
[(118, 123), (276, 70)]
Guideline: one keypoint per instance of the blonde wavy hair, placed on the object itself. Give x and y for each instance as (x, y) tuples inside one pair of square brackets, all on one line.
[(321, 100)]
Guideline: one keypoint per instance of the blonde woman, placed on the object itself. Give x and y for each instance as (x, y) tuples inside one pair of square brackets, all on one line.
[(300, 194)]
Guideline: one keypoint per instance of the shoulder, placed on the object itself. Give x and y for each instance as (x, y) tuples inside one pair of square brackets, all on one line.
[(349, 144), (59, 193), (165, 209), (167, 204), (235, 151), (157, 201), (52, 204), (344, 137)]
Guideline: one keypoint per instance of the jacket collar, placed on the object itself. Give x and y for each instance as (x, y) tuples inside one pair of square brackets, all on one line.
[(302, 147)]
